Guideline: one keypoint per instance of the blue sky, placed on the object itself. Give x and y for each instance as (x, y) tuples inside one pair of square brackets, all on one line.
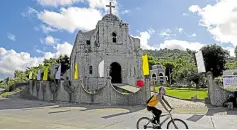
[(32, 30)]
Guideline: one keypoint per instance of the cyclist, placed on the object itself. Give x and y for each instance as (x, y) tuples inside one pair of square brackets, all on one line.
[(156, 98)]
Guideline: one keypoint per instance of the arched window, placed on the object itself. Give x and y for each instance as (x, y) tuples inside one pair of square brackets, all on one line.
[(114, 37)]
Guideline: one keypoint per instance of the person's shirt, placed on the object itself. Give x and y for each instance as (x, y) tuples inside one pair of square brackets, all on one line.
[(159, 97)]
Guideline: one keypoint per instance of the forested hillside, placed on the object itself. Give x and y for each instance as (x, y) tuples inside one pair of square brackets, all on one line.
[(181, 64)]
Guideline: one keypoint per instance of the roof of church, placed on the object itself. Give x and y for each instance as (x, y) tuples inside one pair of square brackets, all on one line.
[(89, 33), (110, 17)]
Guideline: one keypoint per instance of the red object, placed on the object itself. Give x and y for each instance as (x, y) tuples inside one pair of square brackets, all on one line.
[(140, 83)]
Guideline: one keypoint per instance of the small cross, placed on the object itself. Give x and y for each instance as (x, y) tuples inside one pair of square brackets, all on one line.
[(110, 7)]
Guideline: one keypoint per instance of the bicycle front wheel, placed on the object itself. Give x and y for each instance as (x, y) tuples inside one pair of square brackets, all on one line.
[(177, 124), (144, 123)]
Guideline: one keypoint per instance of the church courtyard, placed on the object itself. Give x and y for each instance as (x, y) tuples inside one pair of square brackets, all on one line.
[(19, 113)]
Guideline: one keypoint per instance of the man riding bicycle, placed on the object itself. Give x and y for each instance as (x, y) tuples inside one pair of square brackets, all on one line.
[(156, 98)]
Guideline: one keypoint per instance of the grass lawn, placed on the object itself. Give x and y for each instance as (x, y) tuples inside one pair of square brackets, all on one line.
[(185, 93)]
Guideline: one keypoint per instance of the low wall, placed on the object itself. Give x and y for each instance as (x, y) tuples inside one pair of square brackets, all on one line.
[(216, 94), (107, 95)]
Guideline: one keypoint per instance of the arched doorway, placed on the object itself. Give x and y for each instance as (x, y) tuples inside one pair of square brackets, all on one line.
[(161, 76), (115, 72), (154, 78)]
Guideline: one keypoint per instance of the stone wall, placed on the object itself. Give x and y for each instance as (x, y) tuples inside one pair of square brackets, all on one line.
[(77, 93), (217, 95)]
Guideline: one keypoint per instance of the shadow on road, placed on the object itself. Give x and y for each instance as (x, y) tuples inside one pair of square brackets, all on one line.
[(212, 110)]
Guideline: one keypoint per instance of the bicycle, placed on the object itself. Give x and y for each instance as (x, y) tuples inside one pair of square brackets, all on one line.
[(173, 121)]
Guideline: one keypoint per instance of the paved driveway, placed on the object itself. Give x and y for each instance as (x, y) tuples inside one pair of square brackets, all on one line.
[(19, 113)]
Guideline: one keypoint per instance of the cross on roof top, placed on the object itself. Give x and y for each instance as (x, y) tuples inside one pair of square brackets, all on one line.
[(110, 7)]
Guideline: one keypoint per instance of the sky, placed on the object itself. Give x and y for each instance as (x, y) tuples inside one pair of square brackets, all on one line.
[(32, 30)]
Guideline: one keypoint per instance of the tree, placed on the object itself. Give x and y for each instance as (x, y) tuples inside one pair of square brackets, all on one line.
[(214, 59), (195, 77), (169, 66), (152, 61), (65, 63), (236, 51)]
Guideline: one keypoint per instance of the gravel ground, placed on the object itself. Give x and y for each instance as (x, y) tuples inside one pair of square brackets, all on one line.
[(177, 103)]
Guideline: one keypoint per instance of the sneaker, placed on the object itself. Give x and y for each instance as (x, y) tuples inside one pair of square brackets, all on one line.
[(153, 121), (157, 126)]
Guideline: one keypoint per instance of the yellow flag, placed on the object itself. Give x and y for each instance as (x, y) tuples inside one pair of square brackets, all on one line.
[(46, 74), (145, 65), (76, 71)]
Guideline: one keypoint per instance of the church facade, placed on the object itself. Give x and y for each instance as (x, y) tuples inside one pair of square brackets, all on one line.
[(157, 75), (107, 50)]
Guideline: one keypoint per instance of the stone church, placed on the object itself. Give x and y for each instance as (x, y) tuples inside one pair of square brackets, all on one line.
[(107, 50)]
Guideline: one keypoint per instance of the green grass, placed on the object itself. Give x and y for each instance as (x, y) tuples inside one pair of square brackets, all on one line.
[(6, 94), (186, 93)]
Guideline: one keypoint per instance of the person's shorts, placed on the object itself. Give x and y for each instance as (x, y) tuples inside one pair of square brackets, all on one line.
[(148, 108)]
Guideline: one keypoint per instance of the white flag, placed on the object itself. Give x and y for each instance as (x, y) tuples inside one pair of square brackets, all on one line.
[(200, 62), (101, 68), (39, 75), (30, 75), (58, 73)]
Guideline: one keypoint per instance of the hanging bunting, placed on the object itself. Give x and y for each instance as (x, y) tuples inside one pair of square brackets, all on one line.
[(145, 65), (101, 68), (58, 73), (46, 73), (30, 75), (39, 75), (76, 71)]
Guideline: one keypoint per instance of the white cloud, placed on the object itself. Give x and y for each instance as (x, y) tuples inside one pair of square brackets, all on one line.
[(39, 51), (47, 29), (181, 45), (181, 30), (166, 34), (49, 40), (11, 37), (125, 11), (220, 20), (193, 35), (71, 18), (11, 60), (29, 12), (194, 8), (185, 14), (95, 4), (102, 4), (145, 37), (63, 49), (56, 3), (231, 50)]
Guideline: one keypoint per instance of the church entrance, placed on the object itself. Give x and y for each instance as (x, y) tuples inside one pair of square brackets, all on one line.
[(115, 72)]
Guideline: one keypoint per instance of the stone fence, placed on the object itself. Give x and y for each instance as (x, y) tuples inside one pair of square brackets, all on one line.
[(77, 93), (216, 94)]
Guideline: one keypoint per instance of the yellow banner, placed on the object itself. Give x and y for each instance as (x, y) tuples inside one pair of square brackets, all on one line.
[(46, 74), (145, 65), (76, 71)]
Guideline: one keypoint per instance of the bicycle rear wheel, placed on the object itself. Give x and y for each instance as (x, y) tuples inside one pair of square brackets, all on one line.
[(177, 124), (144, 123)]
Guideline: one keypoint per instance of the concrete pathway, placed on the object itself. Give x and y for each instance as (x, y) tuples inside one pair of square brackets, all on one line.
[(19, 113)]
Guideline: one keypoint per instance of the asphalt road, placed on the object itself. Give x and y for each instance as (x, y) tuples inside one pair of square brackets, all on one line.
[(19, 113)]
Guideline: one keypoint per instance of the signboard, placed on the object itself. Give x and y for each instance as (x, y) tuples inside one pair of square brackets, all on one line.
[(230, 81), (200, 62)]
